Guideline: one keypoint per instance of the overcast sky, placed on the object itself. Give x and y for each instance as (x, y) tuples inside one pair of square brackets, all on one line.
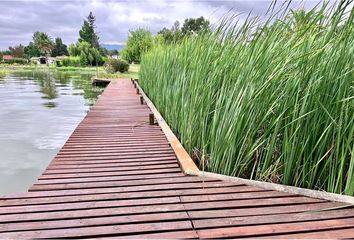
[(19, 19)]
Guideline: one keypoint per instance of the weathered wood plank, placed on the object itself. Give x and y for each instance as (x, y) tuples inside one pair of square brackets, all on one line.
[(273, 229), (96, 221), (23, 199), (94, 231)]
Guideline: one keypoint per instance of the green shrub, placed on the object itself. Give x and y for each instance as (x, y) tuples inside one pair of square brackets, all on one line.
[(70, 62), (83, 59), (34, 62), (58, 63), (21, 61), (116, 65), (268, 101)]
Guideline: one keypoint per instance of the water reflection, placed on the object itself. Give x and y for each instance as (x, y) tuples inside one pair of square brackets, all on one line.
[(38, 112), (50, 104)]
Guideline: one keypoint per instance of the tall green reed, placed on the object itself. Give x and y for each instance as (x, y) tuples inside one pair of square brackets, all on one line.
[(271, 100)]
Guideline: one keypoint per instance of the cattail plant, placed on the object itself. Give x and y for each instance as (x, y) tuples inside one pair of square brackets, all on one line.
[(270, 100)]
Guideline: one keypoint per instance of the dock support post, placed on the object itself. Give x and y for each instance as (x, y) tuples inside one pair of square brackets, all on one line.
[(151, 119), (141, 100), (137, 91)]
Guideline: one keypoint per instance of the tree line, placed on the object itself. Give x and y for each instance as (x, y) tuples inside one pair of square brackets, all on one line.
[(142, 40), (87, 47)]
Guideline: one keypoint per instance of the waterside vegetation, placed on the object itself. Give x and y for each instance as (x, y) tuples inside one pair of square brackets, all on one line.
[(271, 100)]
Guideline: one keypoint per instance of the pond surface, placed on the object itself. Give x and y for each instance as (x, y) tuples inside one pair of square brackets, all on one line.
[(38, 112)]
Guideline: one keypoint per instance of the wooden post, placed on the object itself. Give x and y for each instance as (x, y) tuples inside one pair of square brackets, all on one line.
[(151, 119), (137, 91), (141, 100), (134, 85)]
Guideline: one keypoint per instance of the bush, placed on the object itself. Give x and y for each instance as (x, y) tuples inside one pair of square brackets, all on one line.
[(58, 63), (116, 65), (16, 60), (69, 61), (34, 62)]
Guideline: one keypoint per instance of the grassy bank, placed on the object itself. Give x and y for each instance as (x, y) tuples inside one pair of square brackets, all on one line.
[(132, 73), (270, 101)]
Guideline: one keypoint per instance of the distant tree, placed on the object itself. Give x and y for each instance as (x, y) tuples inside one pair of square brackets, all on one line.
[(88, 55), (6, 52), (139, 42), (17, 51), (1, 55), (83, 59), (87, 32), (73, 50), (167, 35), (32, 51), (159, 40), (113, 52), (191, 26), (195, 26), (44, 43), (84, 49), (60, 49), (103, 51)]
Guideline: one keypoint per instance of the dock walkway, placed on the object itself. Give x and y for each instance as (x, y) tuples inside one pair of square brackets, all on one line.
[(117, 177)]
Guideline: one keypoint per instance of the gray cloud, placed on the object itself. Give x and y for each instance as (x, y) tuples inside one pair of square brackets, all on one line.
[(20, 18)]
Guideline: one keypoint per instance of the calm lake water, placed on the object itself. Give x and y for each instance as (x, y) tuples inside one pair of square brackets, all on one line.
[(38, 112)]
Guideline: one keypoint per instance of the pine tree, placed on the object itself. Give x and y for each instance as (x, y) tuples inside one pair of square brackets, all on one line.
[(87, 32), (60, 48)]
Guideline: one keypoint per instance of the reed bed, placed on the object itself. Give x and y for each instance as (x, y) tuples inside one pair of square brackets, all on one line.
[(271, 100)]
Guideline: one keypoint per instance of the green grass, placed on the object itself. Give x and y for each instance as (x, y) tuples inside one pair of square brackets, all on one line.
[(132, 73), (270, 101)]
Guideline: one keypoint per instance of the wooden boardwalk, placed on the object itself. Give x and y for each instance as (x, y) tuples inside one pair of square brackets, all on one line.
[(117, 177)]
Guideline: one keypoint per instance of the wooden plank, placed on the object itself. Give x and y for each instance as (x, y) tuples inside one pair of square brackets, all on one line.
[(188, 234), (109, 140), (251, 203), (156, 187), (19, 200), (116, 157), (134, 145), (271, 229), (127, 153), (106, 179), (88, 205), (90, 150), (347, 233), (274, 218), (110, 174), (258, 211), (94, 231), (140, 182), (96, 221), (113, 157), (91, 170), (115, 143), (235, 196), (57, 165), (119, 160)]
